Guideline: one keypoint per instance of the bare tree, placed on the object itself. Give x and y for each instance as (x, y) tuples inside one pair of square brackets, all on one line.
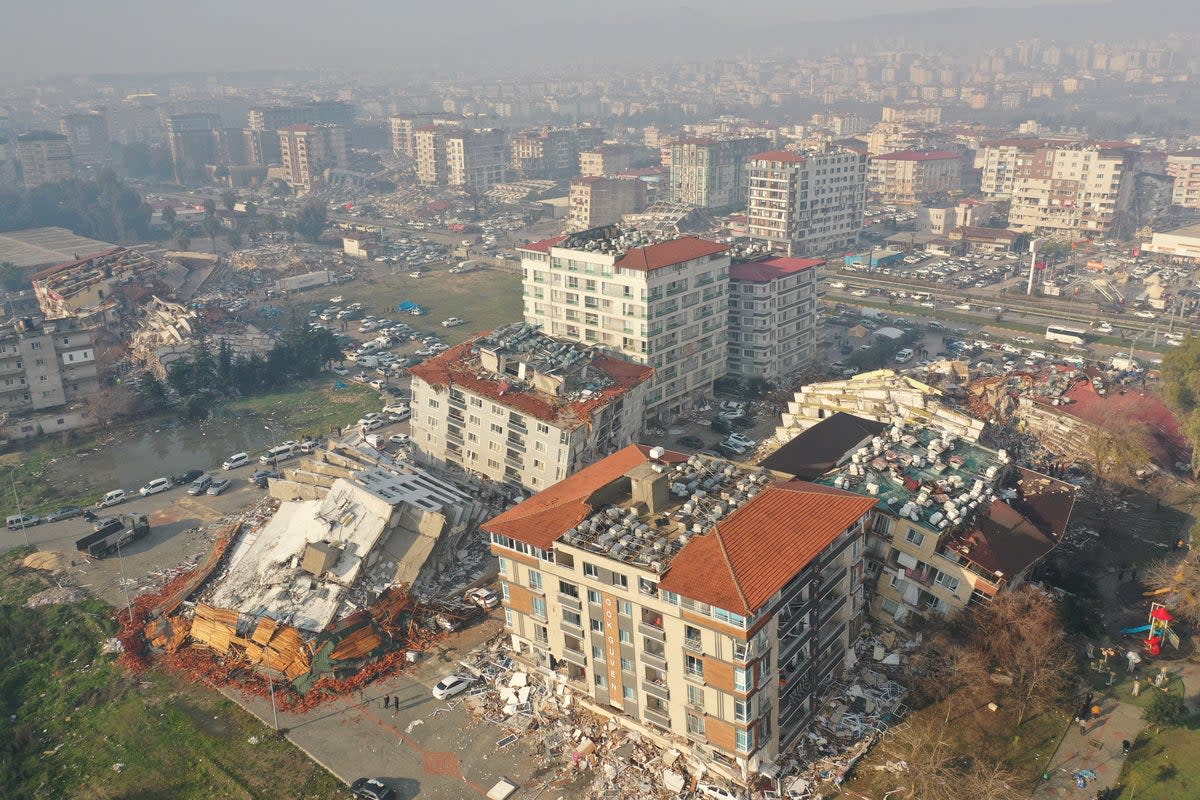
[(1178, 583), (111, 403), (929, 765), (1116, 447)]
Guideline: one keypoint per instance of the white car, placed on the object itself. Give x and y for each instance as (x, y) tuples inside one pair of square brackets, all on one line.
[(451, 685), (1144, 314), (395, 408), (1023, 339), (483, 597), (714, 792), (859, 293), (371, 424), (837, 285), (399, 438), (452, 322), (340, 371), (155, 486)]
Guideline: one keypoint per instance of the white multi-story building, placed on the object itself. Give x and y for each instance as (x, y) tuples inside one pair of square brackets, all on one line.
[(522, 408), (1184, 167), (661, 304), (594, 201), (909, 176), (473, 159), (772, 316), (710, 173), (720, 632), (1081, 188), (308, 150), (807, 203)]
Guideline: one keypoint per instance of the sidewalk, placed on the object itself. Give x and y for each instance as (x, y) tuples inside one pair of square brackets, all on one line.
[(1098, 750)]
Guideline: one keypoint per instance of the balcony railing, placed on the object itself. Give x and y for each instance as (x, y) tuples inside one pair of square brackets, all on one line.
[(658, 690), (658, 717), (652, 658), (649, 629), (693, 644)]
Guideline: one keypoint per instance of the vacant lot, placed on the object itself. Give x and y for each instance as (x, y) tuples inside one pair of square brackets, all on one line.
[(82, 728), (486, 298)]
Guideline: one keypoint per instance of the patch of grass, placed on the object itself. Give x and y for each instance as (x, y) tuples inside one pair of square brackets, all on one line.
[(312, 408), (22, 473), (77, 715), (486, 299), (1163, 764)]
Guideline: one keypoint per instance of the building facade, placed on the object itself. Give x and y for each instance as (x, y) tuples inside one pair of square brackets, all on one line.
[(1184, 169), (1079, 189), (710, 173), (605, 159), (306, 151), (405, 126), (910, 176), (87, 134), (720, 637), (524, 409), (806, 203), (44, 157), (663, 304), (46, 365), (594, 201), (192, 139), (476, 160), (772, 316), (552, 153), (261, 134)]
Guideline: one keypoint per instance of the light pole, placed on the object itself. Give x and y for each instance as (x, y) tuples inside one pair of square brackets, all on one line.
[(13, 482), (271, 690), (124, 583)]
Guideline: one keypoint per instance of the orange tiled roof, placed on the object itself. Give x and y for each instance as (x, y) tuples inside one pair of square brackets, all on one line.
[(765, 270), (541, 519), (753, 553), (544, 245), (666, 254)]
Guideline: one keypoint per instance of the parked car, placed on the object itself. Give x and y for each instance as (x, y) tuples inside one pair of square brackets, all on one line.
[(340, 371), (66, 512), (690, 441), (483, 597), (452, 322), (399, 438), (112, 498), (714, 792), (187, 477), (372, 789), (236, 460), (155, 486), (218, 486), (451, 685), (741, 440), (370, 424), (20, 521), (260, 477), (200, 485), (395, 408)]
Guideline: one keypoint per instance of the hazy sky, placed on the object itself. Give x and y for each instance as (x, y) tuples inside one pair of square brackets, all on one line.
[(73, 36)]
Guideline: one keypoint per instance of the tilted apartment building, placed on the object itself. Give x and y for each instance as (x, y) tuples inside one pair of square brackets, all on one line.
[(772, 316), (659, 303), (46, 364), (525, 409), (708, 604)]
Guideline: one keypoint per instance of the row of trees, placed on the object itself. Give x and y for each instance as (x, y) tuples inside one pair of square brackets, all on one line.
[(102, 208), (1181, 390), (195, 384)]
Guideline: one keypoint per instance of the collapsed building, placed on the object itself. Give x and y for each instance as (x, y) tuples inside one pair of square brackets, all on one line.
[(167, 333), (87, 288), (883, 396)]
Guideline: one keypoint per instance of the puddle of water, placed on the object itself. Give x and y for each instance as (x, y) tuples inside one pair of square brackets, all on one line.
[(169, 448)]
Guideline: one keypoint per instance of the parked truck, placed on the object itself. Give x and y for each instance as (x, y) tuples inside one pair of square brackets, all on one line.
[(115, 533)]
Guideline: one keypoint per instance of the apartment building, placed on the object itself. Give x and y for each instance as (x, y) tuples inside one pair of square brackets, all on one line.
[(87, 135), (912, 115), (1184, 169), (45, 364), (552, 153), (1078, 189), (955, 523), (911, 176), (710, 173), (712, 621), (772, 316), (806, 203), (475, 160), (405, 126), (306, 151), (192, 139), (998, 160), (594, 201), (522, 408), (941, 218), (659, 303), (605, 159), (261, 135), (45, 157)]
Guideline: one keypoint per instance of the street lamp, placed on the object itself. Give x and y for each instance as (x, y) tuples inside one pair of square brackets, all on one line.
[(13, 482), (271, 690), (124, 583)]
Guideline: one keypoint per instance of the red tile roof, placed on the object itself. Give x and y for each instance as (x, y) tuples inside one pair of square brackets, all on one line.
[(666, 254), (541, 519), (920, 155), (1165, 440), (457, 367), (544, 245), (768, 269), (786, 156), (754, 552)]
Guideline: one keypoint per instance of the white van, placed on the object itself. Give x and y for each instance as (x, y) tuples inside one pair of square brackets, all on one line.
[(277, 454), (375, 440), (236, 460), (112, 498), (904, 356), (155, 486), (18, 521)]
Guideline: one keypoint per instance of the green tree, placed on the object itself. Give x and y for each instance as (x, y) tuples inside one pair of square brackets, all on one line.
[(1181, 391), (210, 206), (228, 199), (12, 277), (212, 226), (1166, 710), (251, 208), (154, 391), (234, 237), (169, 216), (181, 239), (310, 222)]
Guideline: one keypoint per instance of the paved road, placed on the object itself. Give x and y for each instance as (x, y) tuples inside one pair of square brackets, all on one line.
[(429, 749)]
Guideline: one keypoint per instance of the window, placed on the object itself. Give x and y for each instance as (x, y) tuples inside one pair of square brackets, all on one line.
[(543, 428), (591, 570), (535, 579), (476, 402), (504, 590), (626, 664), (741, 679), (597, 625), (503, 566), (693, 666), (493, 463), (695, 695), (695, 724), (745, 741), (593, 596), (572, 617), (497, 428), (620, 580), (598, 679), (433, 403), (508, 617), (597, 653), (881, 524), (539, 607), (626, 637), (35, 345), (914, 537), (741, 708), (569, 589), (625, 607)]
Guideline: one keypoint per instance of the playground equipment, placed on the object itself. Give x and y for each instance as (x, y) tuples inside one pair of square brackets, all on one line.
[(1158, 630)]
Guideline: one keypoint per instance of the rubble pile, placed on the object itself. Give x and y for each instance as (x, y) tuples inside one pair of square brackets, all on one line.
[(58, 595)]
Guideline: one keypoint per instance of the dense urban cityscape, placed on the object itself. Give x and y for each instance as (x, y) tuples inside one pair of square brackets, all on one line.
[(698, 402)]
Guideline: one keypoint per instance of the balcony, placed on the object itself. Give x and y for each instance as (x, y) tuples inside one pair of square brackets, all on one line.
[(515, 444), (576, 657), (692, 644), (571, 628), (657, 717), (457, 402), (658, 660), (652, 631), (567, 601), (654, 689)]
